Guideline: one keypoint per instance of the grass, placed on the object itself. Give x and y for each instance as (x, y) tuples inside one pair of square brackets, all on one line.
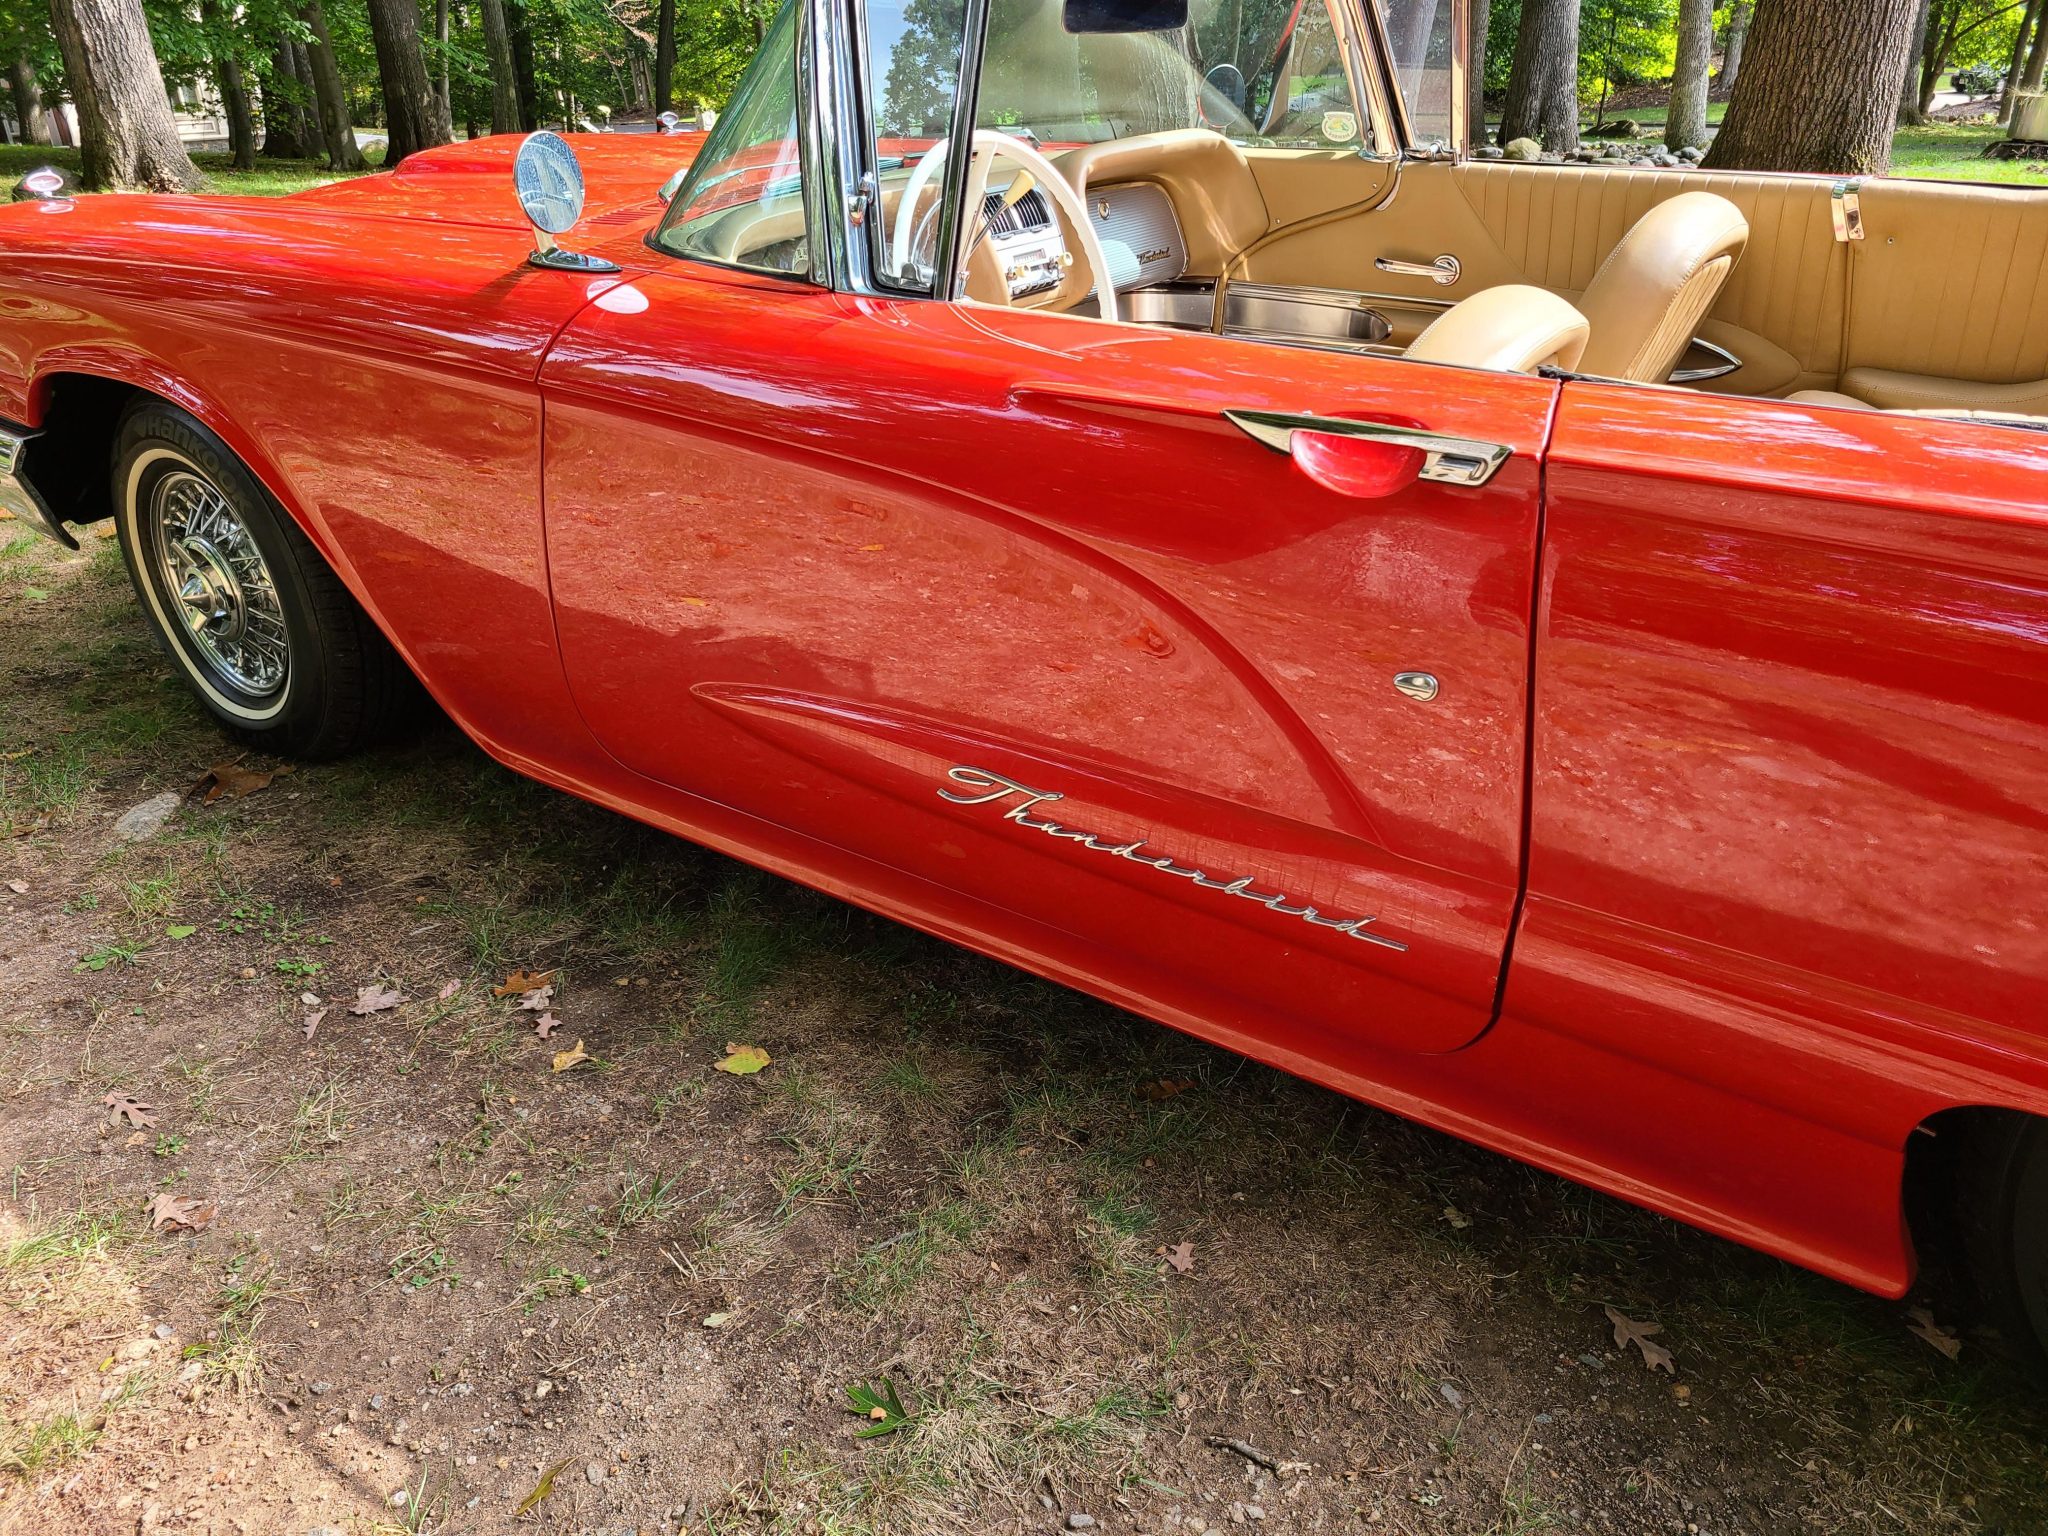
[(271, 178)]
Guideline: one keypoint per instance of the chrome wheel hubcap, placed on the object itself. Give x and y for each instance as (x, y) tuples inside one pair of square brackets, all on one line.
[(223, 590)]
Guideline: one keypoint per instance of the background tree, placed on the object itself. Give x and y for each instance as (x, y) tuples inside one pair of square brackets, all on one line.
[(336, 124), (1479, 21), (289, 130), (1543, 85), (1685, 126), (1739, 12), (127, 136), (502, 72), (30, 49), (665, 56), (1815, 93), (223, 43), (412, 121)]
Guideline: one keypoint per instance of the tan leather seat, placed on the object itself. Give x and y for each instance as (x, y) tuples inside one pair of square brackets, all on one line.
[(1653, 290), (1510, 329), (1829, 397)]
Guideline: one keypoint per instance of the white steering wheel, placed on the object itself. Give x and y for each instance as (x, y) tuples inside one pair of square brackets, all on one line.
[(987, 145)]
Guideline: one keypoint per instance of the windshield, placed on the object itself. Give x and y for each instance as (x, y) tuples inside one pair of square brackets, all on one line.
[(1257, 71)]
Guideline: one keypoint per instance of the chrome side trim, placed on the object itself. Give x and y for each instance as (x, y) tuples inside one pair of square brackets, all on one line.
[(1446, 460), (19, 496), (1728, 363)]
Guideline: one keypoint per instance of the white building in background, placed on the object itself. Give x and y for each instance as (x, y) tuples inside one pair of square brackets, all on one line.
[(201, 123)]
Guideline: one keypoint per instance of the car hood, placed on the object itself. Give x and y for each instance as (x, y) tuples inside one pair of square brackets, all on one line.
[(470, 182)]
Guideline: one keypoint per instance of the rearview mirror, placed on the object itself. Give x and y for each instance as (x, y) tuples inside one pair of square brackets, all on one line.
[(549, 181), (1084, 16)]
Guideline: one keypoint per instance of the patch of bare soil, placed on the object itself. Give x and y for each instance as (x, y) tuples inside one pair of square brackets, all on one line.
[(272, 1264)]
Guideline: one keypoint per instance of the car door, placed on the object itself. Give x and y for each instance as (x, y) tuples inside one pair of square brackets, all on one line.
[(1791, 751), (1120, 630)]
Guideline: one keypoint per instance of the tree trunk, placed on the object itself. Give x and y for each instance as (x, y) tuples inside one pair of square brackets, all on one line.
[(1738, 39), (1543, 90), (28, 101), (234, 91), (1686, 124), (1935, 47), (2029, 18), (336, 130), (1480, 13), (504, 71), (283, 131), (444, 98), (665, 57), (522, 65), (2037, 58), (127, 134), (1816, 95), (411, 120), (1910, 111)]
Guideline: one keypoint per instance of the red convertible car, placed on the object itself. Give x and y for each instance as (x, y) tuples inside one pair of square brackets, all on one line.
[(1556, 650)]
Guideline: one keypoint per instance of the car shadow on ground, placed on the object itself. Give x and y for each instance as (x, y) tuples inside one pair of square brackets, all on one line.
[(423, 1264)]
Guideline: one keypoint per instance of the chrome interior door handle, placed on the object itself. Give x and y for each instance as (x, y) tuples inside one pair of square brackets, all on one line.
[(1446, 460), (1445, 269)]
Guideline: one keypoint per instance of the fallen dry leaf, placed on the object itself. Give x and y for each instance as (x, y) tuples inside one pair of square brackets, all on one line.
[(1926, 1327), (1165, 1088), (169, 1212), (523, 981), (121, 1106), (448, 990), (231, 781), (19, 887), (742, 1060), (575, 1056), (136, 1139), (1627, 1331), (718, 1320), (546, 1025), (375, 999), (1456, 1217), (312, 1022), (538, 1000), (1180, 1258)]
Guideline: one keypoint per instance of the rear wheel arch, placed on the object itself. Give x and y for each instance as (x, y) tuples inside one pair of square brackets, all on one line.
[(1975, 1199)]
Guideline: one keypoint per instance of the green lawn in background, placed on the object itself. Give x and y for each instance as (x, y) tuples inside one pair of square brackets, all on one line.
[(1955, 152), (271, 178)]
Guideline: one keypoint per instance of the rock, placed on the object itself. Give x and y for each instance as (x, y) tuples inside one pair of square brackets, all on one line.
[(1489, 152), (140, 822), (1254, 1512), (377, 1402), (1522, 149), (1047, 1503), (398, 1498), (1623, 128), (1691, 155), (1080, 1522), (319, 1388), (595, 1472), (323, 1530), (164, 1330)]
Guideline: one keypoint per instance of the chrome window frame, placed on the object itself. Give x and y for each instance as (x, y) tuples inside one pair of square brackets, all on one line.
[(1388, 78)]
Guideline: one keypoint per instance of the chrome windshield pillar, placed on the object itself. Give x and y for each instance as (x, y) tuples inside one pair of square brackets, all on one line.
[(828, 106), (21, 498)]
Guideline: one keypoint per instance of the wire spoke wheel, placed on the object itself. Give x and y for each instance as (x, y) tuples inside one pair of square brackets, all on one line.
[(219, 588)]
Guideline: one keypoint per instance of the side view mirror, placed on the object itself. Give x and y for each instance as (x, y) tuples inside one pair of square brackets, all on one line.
[(668, 122), (549, 181)]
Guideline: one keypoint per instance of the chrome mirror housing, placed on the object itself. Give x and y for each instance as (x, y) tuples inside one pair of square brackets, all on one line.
[(549, 182)]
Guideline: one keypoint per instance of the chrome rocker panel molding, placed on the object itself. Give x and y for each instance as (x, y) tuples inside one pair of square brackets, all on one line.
[(19, 496)]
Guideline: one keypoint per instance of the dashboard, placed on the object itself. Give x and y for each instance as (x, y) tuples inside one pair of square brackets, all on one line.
[(1134, 221)]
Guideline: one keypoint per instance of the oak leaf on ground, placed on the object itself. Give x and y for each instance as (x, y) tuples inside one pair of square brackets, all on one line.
[(1923, 1323), (171, 1213), (575, 1056), (1180, 1258), (122, 1106), (375, 998), (546, 1025), (1628, 1331)]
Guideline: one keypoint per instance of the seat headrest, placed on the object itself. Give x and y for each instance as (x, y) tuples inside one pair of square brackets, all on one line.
[(1658, 284)]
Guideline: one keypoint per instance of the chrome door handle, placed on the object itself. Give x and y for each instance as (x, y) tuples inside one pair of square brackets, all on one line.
[(1446, 460), (1445, 269)]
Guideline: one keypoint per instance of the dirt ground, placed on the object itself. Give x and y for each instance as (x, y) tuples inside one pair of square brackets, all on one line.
[(430, 1283)]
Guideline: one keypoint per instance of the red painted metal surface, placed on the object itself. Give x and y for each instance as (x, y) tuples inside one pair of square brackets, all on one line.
[(1755, 872)]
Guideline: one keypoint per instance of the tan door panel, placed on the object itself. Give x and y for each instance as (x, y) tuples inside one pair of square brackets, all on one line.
[(1950, 285), (1552, 226)]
